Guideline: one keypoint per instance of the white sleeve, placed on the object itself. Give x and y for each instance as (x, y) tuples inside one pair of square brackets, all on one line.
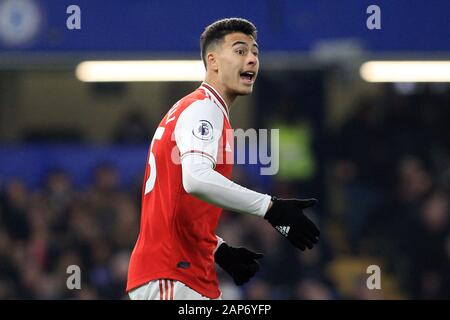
[(200, 180), (219, 242), (198, 130)]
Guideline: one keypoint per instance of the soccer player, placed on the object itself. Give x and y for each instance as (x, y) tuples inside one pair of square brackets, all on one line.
[(187, 183)]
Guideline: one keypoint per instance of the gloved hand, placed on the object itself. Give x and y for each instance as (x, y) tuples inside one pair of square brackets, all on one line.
[(287, 217), (240, 263)]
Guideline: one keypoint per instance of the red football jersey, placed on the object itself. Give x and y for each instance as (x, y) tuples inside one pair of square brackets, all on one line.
[(177, 231)]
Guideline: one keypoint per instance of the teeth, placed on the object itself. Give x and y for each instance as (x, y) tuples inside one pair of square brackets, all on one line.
[(248, 74)]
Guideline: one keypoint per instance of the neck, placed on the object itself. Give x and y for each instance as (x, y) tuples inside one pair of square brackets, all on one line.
[(221, 89)]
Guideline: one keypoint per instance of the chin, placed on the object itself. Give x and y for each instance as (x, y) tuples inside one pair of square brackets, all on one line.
[(245, 91)]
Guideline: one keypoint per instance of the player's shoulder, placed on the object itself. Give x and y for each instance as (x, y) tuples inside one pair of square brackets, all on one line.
[(197, 97), (198, 113), (199, 102)]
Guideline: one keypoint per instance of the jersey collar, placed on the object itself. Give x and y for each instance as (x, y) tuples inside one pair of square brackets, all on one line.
[(216, 96)]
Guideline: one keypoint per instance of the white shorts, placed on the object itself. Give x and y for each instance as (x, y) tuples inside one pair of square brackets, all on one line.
[(166, 289)]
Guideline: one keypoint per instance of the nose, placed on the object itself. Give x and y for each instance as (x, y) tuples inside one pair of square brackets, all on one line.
[(252, 59)]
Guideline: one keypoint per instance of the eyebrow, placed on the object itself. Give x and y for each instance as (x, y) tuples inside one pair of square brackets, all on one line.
[(244, 43)]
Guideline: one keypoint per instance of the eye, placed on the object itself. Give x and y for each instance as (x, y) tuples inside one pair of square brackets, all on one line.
[(240, 51)]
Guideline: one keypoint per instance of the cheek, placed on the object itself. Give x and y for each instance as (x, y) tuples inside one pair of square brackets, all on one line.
[(228, 72), (227, 63)]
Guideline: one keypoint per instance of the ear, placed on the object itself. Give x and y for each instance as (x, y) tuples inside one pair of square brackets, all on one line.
[(211, 60)]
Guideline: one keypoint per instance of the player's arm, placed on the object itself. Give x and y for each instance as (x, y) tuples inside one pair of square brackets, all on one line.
[(285, 215), (198, 156), (203, 182), (197, 133)]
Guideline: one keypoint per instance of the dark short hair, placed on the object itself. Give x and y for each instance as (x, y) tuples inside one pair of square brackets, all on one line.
[(216, 31)]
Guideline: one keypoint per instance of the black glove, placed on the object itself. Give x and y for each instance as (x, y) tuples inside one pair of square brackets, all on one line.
[(286, 216), (240, 263)]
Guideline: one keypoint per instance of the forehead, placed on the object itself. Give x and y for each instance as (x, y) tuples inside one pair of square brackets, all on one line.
[(232, 38)]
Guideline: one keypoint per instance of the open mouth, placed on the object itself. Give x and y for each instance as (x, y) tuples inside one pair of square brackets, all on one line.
[(248, 76)]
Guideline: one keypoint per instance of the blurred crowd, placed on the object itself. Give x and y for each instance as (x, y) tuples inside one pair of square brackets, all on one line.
[(390, 186), (44, 231), (386, 203)]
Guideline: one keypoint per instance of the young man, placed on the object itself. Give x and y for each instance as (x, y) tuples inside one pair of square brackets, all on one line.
[(181, 202)]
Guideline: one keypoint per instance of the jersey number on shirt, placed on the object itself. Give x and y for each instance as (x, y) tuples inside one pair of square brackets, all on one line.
[(150, 183)]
